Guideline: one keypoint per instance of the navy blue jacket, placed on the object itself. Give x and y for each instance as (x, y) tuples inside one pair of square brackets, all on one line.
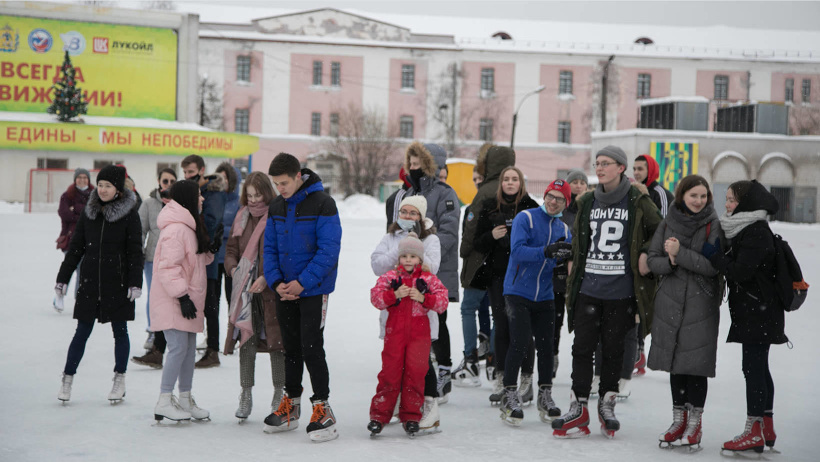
[(212, 210), (303, 237), (231, 208)]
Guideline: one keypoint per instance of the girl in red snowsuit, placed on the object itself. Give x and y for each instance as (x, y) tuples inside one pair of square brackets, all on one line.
[(408, 292)]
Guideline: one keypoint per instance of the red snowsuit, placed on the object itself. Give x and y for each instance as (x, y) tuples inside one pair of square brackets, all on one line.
[(406, 342)]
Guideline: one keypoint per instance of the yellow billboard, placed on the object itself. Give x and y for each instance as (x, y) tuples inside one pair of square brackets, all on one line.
[(127, 140), (124, 71)]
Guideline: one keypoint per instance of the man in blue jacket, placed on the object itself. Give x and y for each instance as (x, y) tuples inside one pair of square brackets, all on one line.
[(302, 241)]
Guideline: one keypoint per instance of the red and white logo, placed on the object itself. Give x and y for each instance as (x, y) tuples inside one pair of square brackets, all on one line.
[(100, 45)]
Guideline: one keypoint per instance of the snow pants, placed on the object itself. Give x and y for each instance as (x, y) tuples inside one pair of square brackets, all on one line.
[(404, 364)]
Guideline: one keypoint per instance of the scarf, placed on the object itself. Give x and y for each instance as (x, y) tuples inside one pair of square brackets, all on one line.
[(241, 308), (733, 224), (612, 197)]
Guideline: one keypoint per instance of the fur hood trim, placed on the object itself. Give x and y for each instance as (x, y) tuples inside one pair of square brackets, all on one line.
[(428, 164), (215, 183), (114, 210)]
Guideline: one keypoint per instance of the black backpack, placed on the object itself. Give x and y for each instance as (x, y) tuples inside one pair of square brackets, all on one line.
[(791, 288)]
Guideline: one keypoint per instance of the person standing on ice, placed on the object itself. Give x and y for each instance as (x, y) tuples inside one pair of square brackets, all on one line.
[(539, 241), (608, 284), (302, 242), (252, 317), (72, 204), (408, 293), (107, 240), (758, 315), (178, 301), (412, 218), (687, 305)]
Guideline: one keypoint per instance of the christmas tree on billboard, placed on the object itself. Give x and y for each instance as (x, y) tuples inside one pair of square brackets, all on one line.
[(68, 101)]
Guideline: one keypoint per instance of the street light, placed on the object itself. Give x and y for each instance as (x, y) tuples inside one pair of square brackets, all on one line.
[(515, 114)]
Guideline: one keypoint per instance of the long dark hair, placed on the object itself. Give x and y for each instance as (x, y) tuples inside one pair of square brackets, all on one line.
[(186, 194), (522, 191), (688, 183)]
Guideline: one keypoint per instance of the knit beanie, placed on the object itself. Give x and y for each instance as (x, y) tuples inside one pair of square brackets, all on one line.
[(577, 174), (411, 245), (186, 194), (562, 187), (419, 202), (113, 174), (81, 171), (617, 154)]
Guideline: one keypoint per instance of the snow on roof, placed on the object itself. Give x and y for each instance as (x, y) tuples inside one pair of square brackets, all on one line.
[(775, 155), (40, 117), (726, 154), (460, 160), (673, 99)]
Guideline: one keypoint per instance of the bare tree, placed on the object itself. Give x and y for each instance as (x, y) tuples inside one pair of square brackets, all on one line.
[(444, 105), (210, 104), (368, 146), (805, 119), (159, 5)]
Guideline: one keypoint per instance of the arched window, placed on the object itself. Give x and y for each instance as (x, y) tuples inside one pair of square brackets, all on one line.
[(502, 36), (645, 41)]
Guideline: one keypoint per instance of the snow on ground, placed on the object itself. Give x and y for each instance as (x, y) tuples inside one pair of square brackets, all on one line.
[(36, 427)]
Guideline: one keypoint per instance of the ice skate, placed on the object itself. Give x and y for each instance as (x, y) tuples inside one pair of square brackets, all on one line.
[(322, 426), (546, 406), (278, 393), (467, 373), (444, 385), (286, 417), (680, 414), (152, 359), (429, 422), (768, 432), (483, 346), (640, 365), (525, 389), (58, 304), (245, 404), (498, 389), (624, 389), (750, 440), (65, 389), (694, 431), (118, 389), (168, 408), (489, 367), (395, 417), (374, 427), (411, 428), (575, 423), (149, 342), (606, 414), (186, 401), (511, 412)]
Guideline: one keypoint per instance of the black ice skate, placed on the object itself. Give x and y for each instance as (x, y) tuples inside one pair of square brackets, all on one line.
[(511, 412), (374, 427), (412, 428), (575, 423), (322, 426), (286, 417), (606, 414), (546, 406)]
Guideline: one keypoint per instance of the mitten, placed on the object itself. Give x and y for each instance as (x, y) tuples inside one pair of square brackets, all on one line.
[(134, 293), (216, 243), (421, 285), (395, 284), (709, 250), (187, 307), (559, 250)]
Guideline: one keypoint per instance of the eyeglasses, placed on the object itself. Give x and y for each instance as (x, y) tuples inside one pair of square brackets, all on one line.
[(603, 164), (168, 181), (556, 199), (412, 214)]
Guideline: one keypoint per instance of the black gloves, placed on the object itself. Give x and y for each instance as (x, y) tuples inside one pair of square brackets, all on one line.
[(709, 250), (216, 242), (187, 307), (560, 250), (421, 285), (395, 284)]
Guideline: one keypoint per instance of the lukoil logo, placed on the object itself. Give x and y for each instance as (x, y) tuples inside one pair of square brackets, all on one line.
[(73, 42), (40, 40), (100, 45)]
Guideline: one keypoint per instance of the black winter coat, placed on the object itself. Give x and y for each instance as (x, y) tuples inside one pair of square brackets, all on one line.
[(108, 240)]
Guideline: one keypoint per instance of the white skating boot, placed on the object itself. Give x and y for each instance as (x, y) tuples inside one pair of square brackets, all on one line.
[(168, 408), (498, 389), (186, 401), (65, 389), (624, 389), (118, 390), (525, 389), (593, 390), (245, 404), (429, 422)]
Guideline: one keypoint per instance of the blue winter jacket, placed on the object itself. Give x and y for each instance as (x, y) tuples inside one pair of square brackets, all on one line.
[(302, 238), (231, 208), (212, 210), (529, 272)]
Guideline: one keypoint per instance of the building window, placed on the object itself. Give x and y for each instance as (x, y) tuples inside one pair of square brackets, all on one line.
[(102, 163), (406, 127), (644, 85), (408, 76), (163, 165), (44, 162), (485, 130), (317, 72), (565, 83), (334, 124), (563, 132), (241, 118), (721, 87), (805, 91), (488, 79), (789, 90), (316, 123), (243, 68), (336, 74)]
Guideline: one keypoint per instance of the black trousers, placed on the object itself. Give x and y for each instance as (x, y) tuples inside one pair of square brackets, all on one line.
[(606, 321), (530, 319), (431, 381), (212, 314), (301, 322), (688, 389), (560, 301), (759, 383), (441, 347), (501, 328), (630, 353), (228, 284)]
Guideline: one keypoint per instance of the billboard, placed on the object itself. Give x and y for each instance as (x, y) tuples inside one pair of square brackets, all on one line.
[(125, 71), (675, 159)]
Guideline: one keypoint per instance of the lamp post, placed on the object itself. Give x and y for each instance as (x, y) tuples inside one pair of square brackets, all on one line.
[(515, 114)]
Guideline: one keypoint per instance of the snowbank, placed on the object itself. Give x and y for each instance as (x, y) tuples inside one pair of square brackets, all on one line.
[(360, 206)]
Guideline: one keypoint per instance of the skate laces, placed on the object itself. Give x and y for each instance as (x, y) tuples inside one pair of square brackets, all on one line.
[(746, 431), (175, 403), (513, 399), (678, 420), (319, 412), (285, 406), (546, 400), (606, 407)]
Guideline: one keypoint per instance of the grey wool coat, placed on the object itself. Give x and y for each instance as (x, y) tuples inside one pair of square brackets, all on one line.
[(687, 302)]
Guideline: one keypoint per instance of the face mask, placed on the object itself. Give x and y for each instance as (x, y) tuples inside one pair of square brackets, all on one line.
[(557, 215), (416, 174), (195, 178), (83, 188), (406, 225)]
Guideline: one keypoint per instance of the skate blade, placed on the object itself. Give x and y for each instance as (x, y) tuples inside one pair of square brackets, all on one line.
[(428, 431), (467, 383), (241, 420), (610, 434), (511, 421), (321, 436), (158, 421), (578, 432), (526, 403), (282, 428), (748, 454), (546, 418), (114, 402)]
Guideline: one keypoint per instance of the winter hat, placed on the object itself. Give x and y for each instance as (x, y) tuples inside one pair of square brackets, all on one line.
[(439, 155), (419, 202), (81, 171), (577, 174), (186, 194), (751, 196), (562, 187), (617, 154), (113, 174), (411, 245)]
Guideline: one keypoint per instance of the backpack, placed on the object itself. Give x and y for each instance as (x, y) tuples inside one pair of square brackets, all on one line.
[(791, 288)]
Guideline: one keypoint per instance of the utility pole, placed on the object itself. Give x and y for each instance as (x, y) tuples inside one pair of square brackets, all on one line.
[(454, 90), (604, 80)]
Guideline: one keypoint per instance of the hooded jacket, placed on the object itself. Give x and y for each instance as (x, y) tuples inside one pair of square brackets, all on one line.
[(497, 159), (303, 237), (213, 210), (178, 270), (662, 198), (149, 211), (108, 240)]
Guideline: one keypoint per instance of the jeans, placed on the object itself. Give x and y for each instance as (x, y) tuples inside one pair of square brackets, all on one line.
[(149, 274), (179, 364), (76, 349), (302, 324), (759, 383), (470, 305), (484, 325), (529, 319)]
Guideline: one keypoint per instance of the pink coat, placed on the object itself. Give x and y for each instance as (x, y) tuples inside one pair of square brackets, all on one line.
[(178, 270)]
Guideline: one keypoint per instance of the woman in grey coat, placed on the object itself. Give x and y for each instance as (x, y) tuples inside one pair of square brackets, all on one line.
[(687, 305)]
